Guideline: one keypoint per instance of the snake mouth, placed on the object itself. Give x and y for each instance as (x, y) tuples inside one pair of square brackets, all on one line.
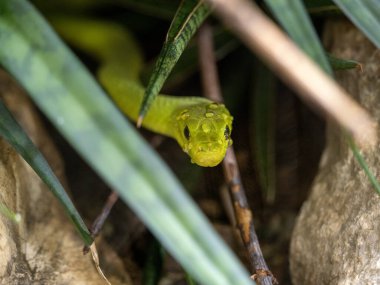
[(207, 158)]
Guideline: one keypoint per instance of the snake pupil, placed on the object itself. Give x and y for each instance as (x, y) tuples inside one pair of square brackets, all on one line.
[(186, 132), (227, 133)]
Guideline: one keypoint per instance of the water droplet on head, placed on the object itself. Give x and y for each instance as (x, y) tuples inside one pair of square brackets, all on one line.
[(213, 106), (209, 114), (183, 115)]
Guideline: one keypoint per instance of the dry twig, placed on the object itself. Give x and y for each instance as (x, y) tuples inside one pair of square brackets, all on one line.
[(99, 221), (243, 214), (262, 36), (101, 218)]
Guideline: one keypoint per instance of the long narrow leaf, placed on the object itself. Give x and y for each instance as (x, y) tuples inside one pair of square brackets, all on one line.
[(264, 130), (11, 131), (366, 16), (293, 17), (359, 157), (5, 211), (342, 64), (321, 7), (189, 16), (84, 115), (188, 63)]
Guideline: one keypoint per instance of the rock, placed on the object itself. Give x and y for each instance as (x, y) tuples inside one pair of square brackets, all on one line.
[(336, 239), (44, 248)]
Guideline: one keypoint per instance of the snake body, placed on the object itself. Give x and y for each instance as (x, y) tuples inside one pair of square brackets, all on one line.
[(201, 127)]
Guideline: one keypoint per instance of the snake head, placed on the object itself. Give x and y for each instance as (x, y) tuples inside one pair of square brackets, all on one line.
[(204, 132)]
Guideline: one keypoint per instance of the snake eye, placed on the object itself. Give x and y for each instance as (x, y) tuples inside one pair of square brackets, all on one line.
[(186, 132), (227, 133)]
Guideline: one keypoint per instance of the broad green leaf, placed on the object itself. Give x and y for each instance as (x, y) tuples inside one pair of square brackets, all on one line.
[(67, 94), (263, 130), (341, 64), (294, 19), (365, 15), (189, 16), (12, 132)]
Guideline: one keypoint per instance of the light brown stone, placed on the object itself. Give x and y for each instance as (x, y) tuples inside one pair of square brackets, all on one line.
[(44, 247)]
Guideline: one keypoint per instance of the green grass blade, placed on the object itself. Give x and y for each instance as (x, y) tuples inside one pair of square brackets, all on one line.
[(85, 116), (295, 20), (321, 7), (342, 64), (264, 130), (187, 64), (12, 132), (153, 265), (189, 16), (363, 164), (6, 212), (365, 14)]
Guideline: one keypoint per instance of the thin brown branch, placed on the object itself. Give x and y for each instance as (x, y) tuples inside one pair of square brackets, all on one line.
[(263, 37), (99, 221), (207, 65), (243, 214), (101, 218)]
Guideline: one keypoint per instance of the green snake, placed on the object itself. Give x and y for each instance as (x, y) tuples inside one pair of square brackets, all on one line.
[(201, 127)]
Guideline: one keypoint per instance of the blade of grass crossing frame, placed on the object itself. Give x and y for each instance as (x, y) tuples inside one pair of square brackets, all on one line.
[(365, 15), (188, 62), (363, 164), (321, 7), (295, 20), (264, 130), (12, 132), (70, 98), (153, 265), (6, 212), (189, 16), (343, 64)]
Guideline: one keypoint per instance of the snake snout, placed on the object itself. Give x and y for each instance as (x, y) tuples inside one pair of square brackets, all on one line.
[(207, 154)]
